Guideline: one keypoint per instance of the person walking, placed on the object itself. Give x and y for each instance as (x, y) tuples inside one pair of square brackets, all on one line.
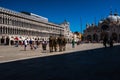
[(44, 45), (25, 44), (73, 43), (111, 42), (105, 39), (31, 44)]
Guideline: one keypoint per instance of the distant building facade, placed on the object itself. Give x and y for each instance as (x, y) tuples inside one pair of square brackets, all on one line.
[(77, 36), (22, 25), (109, 27), (67, 33)]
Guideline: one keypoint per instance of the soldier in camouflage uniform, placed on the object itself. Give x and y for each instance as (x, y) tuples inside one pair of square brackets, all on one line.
[(51, 44), (55, 43), (64, 42), (59, 41)]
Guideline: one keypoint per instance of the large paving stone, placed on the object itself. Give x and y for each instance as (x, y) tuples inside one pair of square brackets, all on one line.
[(95, 64)]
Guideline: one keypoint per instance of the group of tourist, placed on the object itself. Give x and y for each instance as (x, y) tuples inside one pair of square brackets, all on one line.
[(55, 44), (108, 41), (33, 44)]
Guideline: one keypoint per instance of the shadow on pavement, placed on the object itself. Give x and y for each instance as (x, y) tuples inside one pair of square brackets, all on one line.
[(96, 64)]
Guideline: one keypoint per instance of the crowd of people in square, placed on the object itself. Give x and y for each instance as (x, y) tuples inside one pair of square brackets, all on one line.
[(108, 41), (55, 44)]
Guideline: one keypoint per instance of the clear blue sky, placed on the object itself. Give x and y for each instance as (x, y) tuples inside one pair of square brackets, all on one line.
[(77, 12)]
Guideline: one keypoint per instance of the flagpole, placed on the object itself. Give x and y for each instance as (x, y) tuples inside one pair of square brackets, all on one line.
[(95, 21), (81, 24)]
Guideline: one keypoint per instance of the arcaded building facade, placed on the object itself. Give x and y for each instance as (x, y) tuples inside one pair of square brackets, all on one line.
[(22, 25), (109, 26)]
